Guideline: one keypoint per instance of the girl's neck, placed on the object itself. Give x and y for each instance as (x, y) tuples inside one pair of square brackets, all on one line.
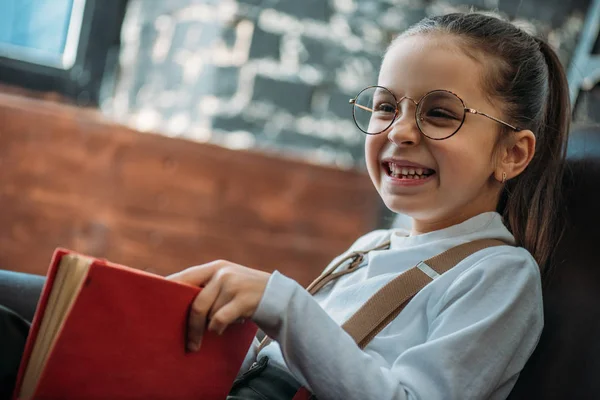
[(482, 204), (420, 227)]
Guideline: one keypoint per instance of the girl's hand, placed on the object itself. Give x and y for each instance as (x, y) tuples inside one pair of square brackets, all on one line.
[(230, 292)]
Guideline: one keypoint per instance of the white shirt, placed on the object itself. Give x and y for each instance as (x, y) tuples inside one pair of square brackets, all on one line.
[(466, 335)]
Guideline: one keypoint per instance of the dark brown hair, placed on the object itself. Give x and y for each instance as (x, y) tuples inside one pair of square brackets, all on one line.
[(526, 76)]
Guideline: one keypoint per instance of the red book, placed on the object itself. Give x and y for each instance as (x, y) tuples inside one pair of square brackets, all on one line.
[(106, 331)]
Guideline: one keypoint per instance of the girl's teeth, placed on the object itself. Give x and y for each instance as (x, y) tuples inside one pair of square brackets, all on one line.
[(402, 176), (408, 172)]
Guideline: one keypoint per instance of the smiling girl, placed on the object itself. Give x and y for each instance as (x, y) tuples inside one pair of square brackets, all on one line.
[(466, 134)]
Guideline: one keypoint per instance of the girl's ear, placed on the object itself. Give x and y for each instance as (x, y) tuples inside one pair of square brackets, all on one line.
[(516, 155)]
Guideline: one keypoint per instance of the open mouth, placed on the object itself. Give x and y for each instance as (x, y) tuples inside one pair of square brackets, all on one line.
[(407, 172)]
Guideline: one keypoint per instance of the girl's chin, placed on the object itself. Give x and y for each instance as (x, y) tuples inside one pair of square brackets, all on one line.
[(413, 207), (410, 209)]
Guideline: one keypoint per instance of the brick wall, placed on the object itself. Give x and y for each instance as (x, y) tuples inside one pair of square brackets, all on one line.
[(276, 75), (72, 179)]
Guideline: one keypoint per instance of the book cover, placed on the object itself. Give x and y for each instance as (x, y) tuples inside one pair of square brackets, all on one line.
[(124, 336)]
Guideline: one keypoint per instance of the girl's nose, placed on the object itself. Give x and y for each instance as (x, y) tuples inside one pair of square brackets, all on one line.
[(404, 131)]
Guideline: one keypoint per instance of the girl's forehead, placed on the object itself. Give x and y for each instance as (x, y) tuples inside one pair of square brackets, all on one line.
[(417, 64)]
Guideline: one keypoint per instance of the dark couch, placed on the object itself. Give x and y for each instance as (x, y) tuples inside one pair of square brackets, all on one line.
[(20, 292), (566, 363)]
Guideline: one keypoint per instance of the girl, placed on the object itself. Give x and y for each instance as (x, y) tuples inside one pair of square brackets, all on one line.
[(467, 130)]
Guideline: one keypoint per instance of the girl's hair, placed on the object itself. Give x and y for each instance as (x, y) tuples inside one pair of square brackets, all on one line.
[(525, 74)]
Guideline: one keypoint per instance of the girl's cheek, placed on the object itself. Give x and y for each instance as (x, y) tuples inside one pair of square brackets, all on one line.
[(371, 148), (451, 163)]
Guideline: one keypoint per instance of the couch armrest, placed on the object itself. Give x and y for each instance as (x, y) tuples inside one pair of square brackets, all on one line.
[(20, 292)]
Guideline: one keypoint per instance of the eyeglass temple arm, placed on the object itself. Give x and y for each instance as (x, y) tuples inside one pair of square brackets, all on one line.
[(473, 111), (353, 101)]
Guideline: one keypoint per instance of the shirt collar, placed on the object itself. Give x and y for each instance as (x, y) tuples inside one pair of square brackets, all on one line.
[(487, 225)]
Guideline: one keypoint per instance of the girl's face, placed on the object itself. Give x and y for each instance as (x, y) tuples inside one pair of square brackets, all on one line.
[(463, 184)]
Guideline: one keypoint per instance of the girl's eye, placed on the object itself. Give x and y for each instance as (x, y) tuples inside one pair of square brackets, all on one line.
[(440, 113), (385, 108)]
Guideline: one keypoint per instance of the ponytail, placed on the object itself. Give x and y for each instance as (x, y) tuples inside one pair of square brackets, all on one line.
[(533, 200)]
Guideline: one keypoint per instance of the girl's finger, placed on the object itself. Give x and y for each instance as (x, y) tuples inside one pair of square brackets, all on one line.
[(199, 275), (199, 313), (222, 298), (226, 315)]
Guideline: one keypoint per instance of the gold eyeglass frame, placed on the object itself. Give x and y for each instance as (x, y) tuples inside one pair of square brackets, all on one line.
[(416, 103)]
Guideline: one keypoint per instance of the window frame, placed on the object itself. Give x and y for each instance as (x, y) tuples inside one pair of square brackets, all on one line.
[(96, 55)]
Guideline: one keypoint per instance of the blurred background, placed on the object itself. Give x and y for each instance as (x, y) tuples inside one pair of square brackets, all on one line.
[(273, 75), (232, 116)]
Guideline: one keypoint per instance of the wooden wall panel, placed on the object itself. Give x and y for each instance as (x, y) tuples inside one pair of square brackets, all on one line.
[(69, 178)]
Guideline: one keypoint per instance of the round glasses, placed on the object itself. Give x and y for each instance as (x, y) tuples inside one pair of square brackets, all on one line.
[(439, 114)]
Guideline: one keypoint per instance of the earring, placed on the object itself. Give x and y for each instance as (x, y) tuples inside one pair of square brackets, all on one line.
[(503, 177)]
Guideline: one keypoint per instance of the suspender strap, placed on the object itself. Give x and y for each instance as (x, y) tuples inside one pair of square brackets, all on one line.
[(385, 305), (329, 275), (356, 258), (390, 300)]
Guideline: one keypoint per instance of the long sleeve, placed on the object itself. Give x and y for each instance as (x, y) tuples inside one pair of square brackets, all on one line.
[(486, 323)]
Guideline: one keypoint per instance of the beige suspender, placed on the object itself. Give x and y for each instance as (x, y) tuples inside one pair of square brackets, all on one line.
[(356, 256), (390, 300)]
